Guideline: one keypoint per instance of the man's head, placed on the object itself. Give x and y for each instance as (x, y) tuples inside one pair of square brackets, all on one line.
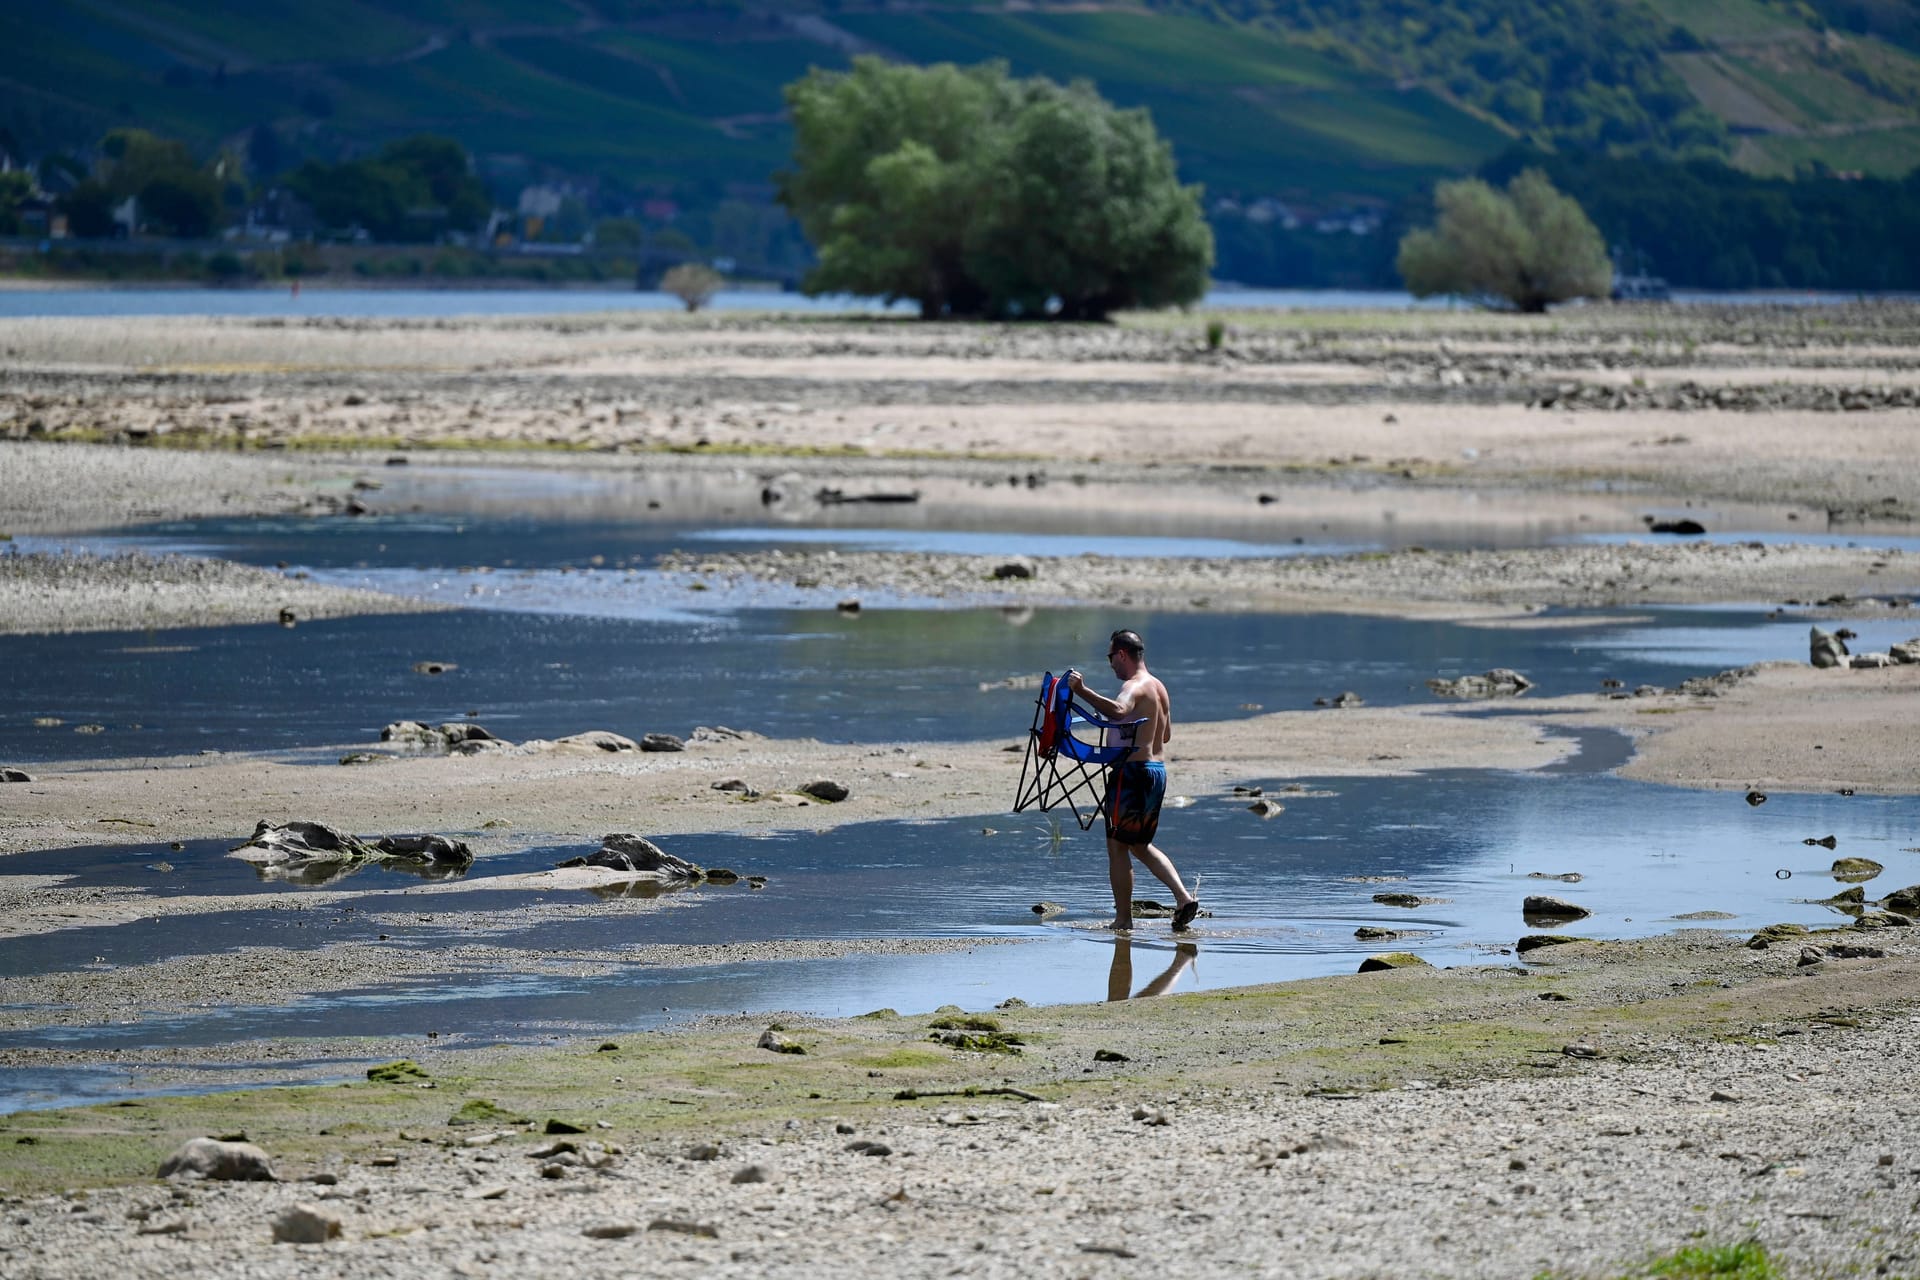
[(1126, 653)]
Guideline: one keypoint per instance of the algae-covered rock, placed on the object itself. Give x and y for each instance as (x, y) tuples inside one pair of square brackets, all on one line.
[(979, 1041), (1905, 901), (1392, 960), (405, 1071), (1776, 933), (481, 1111), (1855, 869), (1535, 941)]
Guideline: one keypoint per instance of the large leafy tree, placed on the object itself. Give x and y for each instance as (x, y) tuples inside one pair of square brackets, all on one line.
[(974, 194), (1527, 246), (409, 190)]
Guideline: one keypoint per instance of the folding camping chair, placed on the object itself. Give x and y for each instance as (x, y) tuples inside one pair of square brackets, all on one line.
[(1068, 751)]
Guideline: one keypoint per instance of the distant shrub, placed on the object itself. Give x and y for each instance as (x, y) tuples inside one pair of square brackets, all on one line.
[(1216, 334), (1527, 246), (225, 267), (694, 283)]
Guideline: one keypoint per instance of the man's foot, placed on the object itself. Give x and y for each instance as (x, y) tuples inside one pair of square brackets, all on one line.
[(1183, 915), (1122, 926)]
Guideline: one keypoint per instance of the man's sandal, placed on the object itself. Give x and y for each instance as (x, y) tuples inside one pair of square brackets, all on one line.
[(1183, 915)]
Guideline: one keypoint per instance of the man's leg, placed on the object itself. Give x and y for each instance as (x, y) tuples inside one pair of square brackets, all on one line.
[(1162, 867), (1120, 874)]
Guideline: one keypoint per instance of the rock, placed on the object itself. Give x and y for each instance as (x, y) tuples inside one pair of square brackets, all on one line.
[(1906, 901), (1775, 933), (862, 1147), (1150, 909), (1854, 897), (1825, 649), (610, 1230), (301, 842), (722, 875), (1372, 933), (1408, 900), (750, 1174), (1839, 951), (1855, 869), (364, 757), (1110, 1055), (427, 850), (1047, 909), (681, 1226), (305, 1224), (1540, 904), (220, 1162), (1721, 1095), (773, 1041), (1565, 877), (14, 775), (825, 789), (1882, 920), (1756, 798), (720, 733), (434, 668), (1536, 941), (702, 1152), (1869, 661), (623, 851), (1392, 960), (735, 786), (1501, 682), (1346, 698), (454, 732), (411, 733), (849, 605), (1906, 652), (1022, 568), (1686, 528), (1266, 808), (596, 740), (288, 618), (661, 742), (1824, 842), (1012, 1002)]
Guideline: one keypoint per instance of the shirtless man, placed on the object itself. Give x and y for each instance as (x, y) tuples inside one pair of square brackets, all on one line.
[(1137, 784)]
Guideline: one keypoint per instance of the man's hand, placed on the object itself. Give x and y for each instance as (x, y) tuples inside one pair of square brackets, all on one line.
[(1074, 682)]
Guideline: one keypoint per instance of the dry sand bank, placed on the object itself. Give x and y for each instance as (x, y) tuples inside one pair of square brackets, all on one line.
[(1703, 403), (1433, 583), (1337, 1127), (41, 593)]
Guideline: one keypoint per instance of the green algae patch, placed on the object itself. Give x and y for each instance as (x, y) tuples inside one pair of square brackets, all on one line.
[(481, 1111), (902, 1058), (964, 1024), (1744, 1261), (405, 1071)]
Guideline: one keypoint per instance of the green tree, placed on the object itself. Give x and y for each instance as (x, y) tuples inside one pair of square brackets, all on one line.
[(1527, 246), (409, 191), (977, 195), (16, 185)]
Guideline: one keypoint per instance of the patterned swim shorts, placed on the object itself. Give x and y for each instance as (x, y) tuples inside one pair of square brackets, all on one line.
[(1135, 789)]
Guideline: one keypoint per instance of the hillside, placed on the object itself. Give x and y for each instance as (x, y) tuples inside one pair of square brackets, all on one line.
[(1341, 111)]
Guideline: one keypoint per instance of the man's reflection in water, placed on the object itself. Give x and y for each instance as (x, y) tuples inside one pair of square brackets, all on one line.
[(1120, 976)]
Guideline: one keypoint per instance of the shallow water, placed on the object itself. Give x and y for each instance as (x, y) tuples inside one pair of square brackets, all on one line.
[(1285, 895), (572, 630)]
